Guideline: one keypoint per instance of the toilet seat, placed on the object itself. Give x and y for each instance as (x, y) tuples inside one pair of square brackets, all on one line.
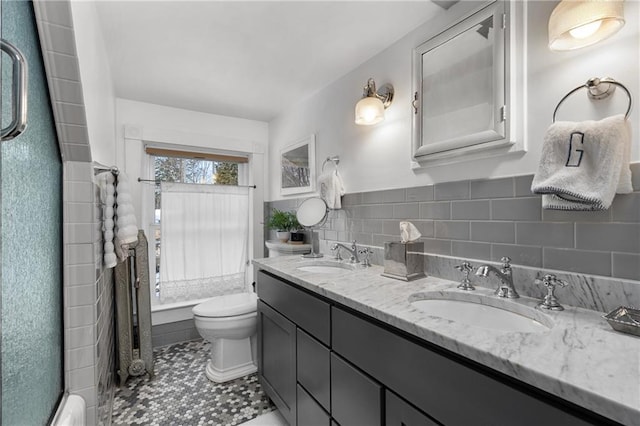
[(227, 306)]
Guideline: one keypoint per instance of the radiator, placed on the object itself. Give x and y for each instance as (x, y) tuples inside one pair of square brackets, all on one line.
[(133, 313)]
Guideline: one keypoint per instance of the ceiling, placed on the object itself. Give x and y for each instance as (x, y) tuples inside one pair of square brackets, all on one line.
[(246, 59)]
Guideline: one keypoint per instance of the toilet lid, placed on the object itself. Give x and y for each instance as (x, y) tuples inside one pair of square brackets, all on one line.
[(227, 305)]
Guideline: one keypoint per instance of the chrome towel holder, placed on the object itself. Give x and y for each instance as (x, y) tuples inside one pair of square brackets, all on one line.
[(335, 160), (598, 88)]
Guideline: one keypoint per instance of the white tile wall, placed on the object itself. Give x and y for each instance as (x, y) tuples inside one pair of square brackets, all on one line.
[(88, 296)]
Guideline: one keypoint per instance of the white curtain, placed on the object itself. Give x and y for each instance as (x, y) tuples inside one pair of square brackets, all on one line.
[(204, 240)]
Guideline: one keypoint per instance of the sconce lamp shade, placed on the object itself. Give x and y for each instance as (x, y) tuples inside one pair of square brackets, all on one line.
[(579, 23), (369, 111)]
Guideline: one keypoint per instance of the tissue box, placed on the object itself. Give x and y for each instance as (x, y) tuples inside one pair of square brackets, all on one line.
[(404, 261)]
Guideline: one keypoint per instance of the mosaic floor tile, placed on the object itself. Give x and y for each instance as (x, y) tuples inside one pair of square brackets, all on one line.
[(181, 395)]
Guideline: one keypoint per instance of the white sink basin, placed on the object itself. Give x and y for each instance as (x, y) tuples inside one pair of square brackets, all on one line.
[(326, 267), (479, 310)]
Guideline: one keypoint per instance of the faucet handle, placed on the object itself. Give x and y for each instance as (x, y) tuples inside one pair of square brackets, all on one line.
[(550, 301), (366, 252), (465, 267), (336, 249), (506, 262)]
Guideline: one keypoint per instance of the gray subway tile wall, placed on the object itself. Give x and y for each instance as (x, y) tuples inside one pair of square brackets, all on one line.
[(626, 265), (452, 190), (489, 219), (492, 188), (477, 209)]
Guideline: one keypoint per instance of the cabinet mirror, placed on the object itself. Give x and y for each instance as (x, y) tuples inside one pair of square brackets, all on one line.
[(460, 84)]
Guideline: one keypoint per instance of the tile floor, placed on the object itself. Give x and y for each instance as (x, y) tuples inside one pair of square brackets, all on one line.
[(181, 394)]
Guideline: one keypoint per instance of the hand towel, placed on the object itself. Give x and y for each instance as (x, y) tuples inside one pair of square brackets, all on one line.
[(583, 164), (331, 188), (126, 228), (105, 183)]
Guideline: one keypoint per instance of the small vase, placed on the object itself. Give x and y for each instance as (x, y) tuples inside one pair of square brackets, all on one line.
[(283, 236)]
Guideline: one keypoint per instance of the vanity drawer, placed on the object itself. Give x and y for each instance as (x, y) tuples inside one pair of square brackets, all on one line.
[(400, 413), (356, 399), (313, 368), (310, 413), (450, 391), (307, 311)]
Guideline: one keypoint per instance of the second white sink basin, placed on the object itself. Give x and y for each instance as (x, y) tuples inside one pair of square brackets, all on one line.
[(482, 311), (326, 267)]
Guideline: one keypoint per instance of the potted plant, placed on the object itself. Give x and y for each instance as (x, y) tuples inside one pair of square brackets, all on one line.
[(283, 223)]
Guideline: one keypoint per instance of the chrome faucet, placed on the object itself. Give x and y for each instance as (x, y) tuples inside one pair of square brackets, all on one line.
[(353, 251), (504, 274)]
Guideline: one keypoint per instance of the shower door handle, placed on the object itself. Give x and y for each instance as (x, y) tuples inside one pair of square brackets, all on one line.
[(18, 92)]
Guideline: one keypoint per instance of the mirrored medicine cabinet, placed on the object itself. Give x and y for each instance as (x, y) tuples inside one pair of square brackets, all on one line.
[(462, 79)]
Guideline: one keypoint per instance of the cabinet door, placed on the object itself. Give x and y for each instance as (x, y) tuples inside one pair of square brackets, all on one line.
[(277, 360), (401, 413), (309, 411), (356, 400), (313, 368)]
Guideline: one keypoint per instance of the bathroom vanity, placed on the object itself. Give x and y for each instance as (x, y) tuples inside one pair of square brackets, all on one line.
[(348, 348)]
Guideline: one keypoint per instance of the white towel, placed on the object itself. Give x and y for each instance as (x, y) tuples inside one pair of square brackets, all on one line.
[(105, 184), (126, 228), (331, 188), (583, 164)]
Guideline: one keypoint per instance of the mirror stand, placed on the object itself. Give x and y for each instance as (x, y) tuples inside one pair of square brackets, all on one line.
[(313, 254)]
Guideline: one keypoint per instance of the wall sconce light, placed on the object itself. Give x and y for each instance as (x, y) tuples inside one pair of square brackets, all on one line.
[(579, 23), (370, 109)]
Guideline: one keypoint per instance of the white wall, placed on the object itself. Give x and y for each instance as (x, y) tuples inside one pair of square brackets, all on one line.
[(379, 157), (97, 85), (140, 123), (176, 126)]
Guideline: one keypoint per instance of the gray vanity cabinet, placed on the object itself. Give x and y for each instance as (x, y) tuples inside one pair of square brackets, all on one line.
[(299, 346), (310, 413), (400, 413), (277, 359), (355, 398), (324, 364), (447, 390), (313, 368)]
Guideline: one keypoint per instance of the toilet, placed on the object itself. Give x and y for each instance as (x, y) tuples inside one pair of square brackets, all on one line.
[(229, 323)]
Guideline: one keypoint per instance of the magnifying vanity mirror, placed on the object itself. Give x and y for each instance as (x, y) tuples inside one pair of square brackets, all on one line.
[(310, 214)]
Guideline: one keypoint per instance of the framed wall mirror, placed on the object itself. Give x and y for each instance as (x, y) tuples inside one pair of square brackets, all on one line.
[(298, 167), (460, 82)]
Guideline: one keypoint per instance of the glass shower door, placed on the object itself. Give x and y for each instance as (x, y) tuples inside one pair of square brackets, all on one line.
[(31, 238)]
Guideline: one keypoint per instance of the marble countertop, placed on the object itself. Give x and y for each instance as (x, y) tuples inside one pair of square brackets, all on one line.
[(580, 359)]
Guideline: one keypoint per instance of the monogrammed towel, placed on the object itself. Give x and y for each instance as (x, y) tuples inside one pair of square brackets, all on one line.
[(581, 165)]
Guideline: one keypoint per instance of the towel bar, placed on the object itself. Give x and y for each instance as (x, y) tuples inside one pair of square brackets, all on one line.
[(596, 92), (97, 167)]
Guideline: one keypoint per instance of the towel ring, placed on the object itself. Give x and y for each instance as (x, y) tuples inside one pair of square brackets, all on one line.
[(596, 92), (335, 160)]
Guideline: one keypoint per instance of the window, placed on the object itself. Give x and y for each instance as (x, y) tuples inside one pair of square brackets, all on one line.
[(188, 167)]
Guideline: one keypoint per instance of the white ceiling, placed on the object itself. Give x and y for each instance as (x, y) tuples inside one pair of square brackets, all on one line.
[(245, 59)]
